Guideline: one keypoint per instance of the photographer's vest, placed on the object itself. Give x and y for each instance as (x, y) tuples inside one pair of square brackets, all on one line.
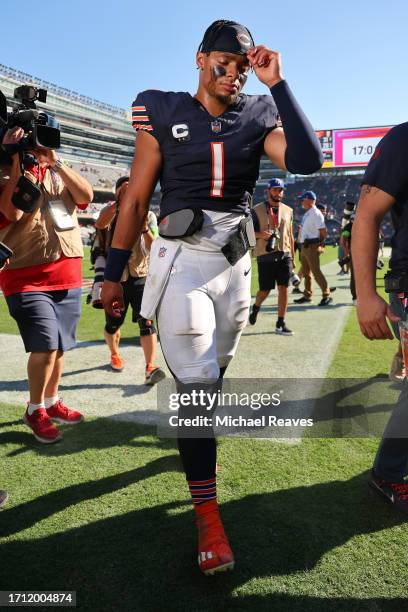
[(138, 263), (284, 226), (34, 238)]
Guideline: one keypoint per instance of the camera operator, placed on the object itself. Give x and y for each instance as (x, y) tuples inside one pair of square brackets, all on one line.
[(42, 283), (313, 235), (133, 282), (275, 251), (385, 188)]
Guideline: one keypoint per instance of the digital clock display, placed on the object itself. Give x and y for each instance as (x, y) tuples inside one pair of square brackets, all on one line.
[(355, 147)]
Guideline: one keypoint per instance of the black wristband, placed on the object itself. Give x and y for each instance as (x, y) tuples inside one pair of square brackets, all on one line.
[(115, 264), (303, 154)]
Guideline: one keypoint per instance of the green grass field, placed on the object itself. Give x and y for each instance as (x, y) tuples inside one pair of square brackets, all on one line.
[(106, 513)]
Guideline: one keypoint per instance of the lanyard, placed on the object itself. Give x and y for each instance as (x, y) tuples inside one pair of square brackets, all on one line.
[(274, 217)]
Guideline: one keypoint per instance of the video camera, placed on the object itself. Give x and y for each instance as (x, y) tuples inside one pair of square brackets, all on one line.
[(41, 130)]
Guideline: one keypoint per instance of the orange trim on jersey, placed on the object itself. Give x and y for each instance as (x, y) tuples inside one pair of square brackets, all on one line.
[(139, 108), (137, 126), (140, 117)]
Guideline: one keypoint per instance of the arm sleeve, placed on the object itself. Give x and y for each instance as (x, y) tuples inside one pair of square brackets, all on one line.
[(388, 167), (303, 153)]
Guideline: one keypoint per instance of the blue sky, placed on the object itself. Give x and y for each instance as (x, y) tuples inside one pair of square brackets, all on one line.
[(345, 60)]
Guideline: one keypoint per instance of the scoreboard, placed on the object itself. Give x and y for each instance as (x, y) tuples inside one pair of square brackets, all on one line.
[(350, 147)]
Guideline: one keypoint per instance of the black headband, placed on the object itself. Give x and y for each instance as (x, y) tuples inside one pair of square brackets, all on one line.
[(227, 36)]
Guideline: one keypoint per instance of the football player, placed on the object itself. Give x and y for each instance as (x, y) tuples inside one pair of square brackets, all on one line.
[(205, 149)]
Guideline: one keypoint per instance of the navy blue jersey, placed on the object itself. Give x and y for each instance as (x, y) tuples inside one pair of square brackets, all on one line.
[(208, 162), (388, 170)]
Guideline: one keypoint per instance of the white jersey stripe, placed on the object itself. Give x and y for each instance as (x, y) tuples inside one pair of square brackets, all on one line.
[(217, 153)]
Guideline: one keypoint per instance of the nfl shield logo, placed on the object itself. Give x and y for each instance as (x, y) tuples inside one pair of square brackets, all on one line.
[(216, 126), (162, 251)]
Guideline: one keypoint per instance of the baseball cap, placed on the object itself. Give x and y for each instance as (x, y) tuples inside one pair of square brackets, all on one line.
[(321, 207), (228, 36), (276, 182), (120, 182), (308, 195)]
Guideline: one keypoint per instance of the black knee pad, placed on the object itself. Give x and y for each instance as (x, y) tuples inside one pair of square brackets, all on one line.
[(112, 328), (147, 327)]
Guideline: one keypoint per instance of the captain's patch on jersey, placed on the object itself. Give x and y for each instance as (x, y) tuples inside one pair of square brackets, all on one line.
[(181, 132)]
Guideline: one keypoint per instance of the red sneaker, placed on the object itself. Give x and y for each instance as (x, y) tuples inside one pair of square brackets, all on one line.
[(62, 414), (42, 427), (214, 552), (117, 363)]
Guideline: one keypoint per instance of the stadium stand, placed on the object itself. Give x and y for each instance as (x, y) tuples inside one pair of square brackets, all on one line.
[(96, 138)]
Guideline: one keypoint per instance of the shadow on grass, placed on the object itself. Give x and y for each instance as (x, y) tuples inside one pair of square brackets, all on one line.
[(98, 434), (18, 518), (146, 559), (127, 340), (111, 385)]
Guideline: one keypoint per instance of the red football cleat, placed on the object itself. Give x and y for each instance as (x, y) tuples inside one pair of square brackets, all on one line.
[(42, 427), (62, 414), (214, 552)]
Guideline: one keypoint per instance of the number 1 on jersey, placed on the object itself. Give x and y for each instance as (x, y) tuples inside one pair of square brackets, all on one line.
[(217, 157)]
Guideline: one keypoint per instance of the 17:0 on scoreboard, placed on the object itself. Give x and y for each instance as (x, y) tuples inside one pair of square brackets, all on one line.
[(355, 147), (359, 150)]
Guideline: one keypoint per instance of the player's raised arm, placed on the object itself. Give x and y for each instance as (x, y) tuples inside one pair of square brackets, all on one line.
[(293, 147), (132, 214)]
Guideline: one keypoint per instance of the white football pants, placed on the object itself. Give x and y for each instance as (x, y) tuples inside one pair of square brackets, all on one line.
[(202, 312)]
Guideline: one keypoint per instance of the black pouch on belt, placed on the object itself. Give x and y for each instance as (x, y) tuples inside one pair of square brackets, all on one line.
[(240, 242), (185, 222)]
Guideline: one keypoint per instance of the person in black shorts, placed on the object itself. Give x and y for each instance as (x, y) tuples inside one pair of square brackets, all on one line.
[(275, 250), (385, 188)]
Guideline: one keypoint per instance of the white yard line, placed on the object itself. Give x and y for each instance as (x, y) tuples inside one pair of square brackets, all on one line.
[(306, 354)]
